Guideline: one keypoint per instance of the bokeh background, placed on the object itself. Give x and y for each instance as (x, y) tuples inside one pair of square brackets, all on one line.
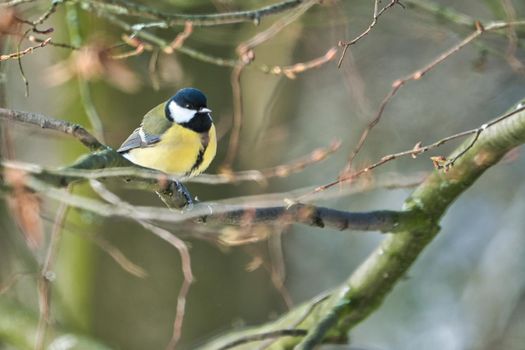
[(467, 291)]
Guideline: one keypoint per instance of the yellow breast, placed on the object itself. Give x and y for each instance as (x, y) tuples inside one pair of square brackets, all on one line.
[(179, 152)]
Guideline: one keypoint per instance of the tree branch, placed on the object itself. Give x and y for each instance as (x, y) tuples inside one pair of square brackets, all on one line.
[(62, 126), (171, 191), (128, 8), (237, 215), (367, 287), (415, 76)]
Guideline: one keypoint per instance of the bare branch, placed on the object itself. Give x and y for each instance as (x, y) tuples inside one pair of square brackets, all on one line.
[(398, 84), (47, 276), (165, 46), (375, 17), (18, 54), (51, 10), (275, 28), (224, 214), (13, 3), (512, 36), (233, 145), (62, 126), (418, 149), (172, 19), (418, 74), (297, 68), (263, 175)]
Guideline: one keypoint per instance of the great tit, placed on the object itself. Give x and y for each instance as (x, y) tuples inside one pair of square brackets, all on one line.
[(176, 137)]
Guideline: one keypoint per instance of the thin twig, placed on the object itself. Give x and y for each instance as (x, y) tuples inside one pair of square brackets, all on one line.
[(376, 15), (13, 3), (164, 45), (418, 149), (47, 276), (115, 253), (263, 175), (51, 10), (20, 65), (274, 29), (277, 265), (118, 257), (34, 26), (416, 75), (292, 70), (182, 36), (233, 145), (186, 283), (18, 54), (512, 46), (139, 49), (37, 40), (172, 19)]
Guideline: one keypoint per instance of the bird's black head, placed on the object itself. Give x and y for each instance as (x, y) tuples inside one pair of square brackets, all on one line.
[(190, 98), (189, 108)]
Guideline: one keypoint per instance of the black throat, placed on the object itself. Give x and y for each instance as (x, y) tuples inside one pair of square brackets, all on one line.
[(200, 123)]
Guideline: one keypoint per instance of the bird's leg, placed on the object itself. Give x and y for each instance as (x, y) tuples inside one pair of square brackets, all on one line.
[(176, 195), (183, 191)]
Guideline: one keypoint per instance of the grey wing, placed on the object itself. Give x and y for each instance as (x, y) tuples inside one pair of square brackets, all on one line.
[(138, 139)]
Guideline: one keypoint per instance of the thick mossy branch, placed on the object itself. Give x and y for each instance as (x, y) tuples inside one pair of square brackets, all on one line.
[(365, 290)]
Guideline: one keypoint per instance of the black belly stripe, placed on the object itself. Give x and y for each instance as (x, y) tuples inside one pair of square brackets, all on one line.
[(205, 140), (198, 162)]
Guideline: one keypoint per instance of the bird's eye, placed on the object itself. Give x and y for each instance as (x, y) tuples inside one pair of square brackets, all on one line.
[(187, 106)]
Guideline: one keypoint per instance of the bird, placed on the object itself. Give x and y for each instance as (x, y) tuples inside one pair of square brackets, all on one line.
[(176, 137)]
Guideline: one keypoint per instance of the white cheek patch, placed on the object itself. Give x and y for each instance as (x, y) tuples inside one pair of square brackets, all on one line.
[(180, 114)]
